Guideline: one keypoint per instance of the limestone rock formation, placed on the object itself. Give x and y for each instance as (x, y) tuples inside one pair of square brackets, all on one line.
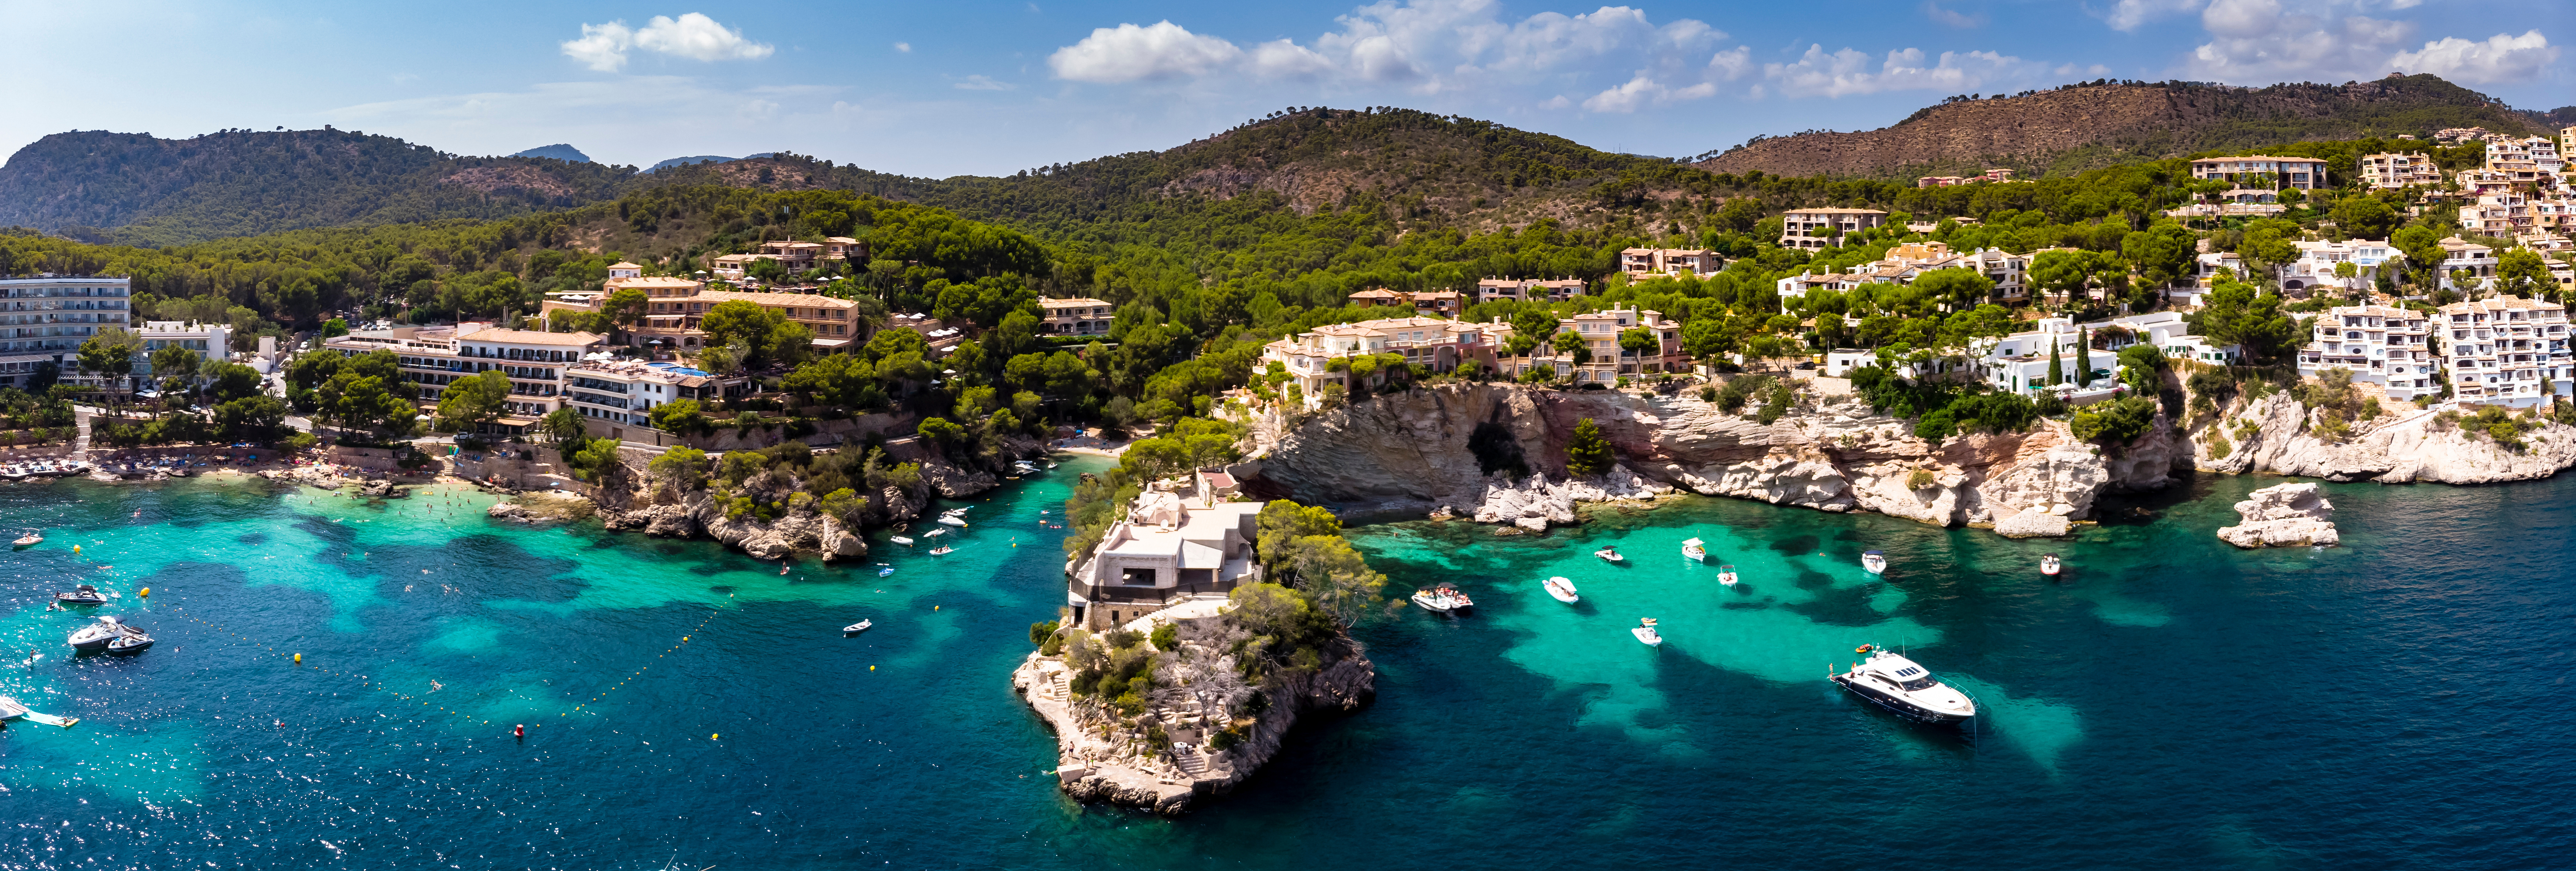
[(1472, 448), (2406, 445), (2287, 515), (1534, 503)]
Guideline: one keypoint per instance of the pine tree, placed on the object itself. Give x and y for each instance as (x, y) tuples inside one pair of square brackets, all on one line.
[(2056, 369), (2083, 360), (1588, 453)]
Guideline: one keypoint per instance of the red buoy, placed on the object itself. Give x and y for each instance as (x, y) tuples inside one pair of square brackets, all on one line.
[(520, 731)]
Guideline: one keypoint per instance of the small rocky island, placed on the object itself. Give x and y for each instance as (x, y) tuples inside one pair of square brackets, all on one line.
[(1180, 668), (2285, 515)]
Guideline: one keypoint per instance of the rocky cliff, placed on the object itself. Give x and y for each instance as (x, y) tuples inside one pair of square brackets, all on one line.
[(1460, 447), (2277, 434)]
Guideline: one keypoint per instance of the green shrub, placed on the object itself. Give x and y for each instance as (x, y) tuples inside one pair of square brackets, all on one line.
[(1922, 479)]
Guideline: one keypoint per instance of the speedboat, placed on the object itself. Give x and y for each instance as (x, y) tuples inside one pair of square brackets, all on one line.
[(2048, 565), (94, 637), (1905, 688), (1025, 467), (82, 595), (1442, 599), (904, 540), (951, 520), (1695, 550), (1609, 555), (132, 640), (1646, 633), (858, 627), (1726, 575), (883, 572), (1874, 560), (935, 533), (1562, 589), (942, 550), (28, 540)]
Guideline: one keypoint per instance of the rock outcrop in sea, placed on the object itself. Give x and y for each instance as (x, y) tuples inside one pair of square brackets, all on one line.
[(794, 524), (2285, 515), (1166, 757), (1471, 448)]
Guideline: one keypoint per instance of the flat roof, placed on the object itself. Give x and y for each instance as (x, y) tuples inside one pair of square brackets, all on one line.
[(529, 337)]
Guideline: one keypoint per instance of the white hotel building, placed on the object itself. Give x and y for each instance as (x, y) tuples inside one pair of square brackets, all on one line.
[(45, 318), (2378, 345), (434, 357)]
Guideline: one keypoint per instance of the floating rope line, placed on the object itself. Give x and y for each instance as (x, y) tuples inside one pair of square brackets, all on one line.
[(370, 683)]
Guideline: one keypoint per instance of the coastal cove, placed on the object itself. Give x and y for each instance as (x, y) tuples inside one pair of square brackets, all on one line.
[(2175, 702)]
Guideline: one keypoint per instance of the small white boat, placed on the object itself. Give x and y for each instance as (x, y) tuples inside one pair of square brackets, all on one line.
[(2048, 565), (858, 627), (1874, 560), (942, 550), (1646, 633), (935, 533), (885, 572), (1695, 550), (951, 520), (1562, 589), (904, 540), (1442, 599), (1726, 575), (1609, 555), (28, 540)]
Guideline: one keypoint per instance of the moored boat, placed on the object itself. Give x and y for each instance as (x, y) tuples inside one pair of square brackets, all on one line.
[(1442, 599), (1904, 688), (942, 550), (1562, 589), (82, 595), (1695, 550), (1609, 555), (28, 540), (1726, 575), (1874, 560), (951, 520), (1646, 633), (2048, 565), (904, 540), (858, 627), (885, 572), (94, 637), (132, 640)]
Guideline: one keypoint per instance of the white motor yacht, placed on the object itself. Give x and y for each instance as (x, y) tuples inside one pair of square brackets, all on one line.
[(1726, 575), (952, 520), (1695, 550), (1646, 633), (1562, 589), (94, 637), (1905, 688), (1874, 560)]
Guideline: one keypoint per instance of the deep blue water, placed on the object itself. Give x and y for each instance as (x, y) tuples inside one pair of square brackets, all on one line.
[(2176, 703)]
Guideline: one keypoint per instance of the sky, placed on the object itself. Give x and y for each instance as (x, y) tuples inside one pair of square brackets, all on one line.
[(990, 88)]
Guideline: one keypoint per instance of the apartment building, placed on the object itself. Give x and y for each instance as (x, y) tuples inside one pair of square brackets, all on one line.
[(1942, 181), (845, 248), (2303, 173), (45, 318), (1825, 228), (2499, 213), (1905, 263), (1604, 361), (1644, 263), (1797, 286), (2538, 154), (2318, 261), (1528, 289), (433, 357), (2500, 350), (2390, 171), (624, 392), (2478, 260), (1435, 343), (2377, 344), (1439, 304), (1082, 316), (1379, 296), (212, 342), (796, 256), (678, 305)]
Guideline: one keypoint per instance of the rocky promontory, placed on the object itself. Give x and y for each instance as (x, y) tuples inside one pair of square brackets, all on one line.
[(1470, 449), (2285, 515), (2280, 435), (1203, 729)]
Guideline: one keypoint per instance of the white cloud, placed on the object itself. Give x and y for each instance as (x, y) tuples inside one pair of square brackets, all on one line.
[(1128, 53), (1851, 71), (603, 47), (1283, 59), (1640, 91), (2072, 71), (981, 82), (1950, 17), (2129, 15), (2262, 41), (1732, 63), (904, 47), (2500, 58)]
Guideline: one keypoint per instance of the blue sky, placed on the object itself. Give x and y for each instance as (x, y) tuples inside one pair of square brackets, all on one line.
[(995, 87)]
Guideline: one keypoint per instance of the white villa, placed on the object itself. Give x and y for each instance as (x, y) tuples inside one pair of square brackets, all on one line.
[(2317, 261), (1171, 546)]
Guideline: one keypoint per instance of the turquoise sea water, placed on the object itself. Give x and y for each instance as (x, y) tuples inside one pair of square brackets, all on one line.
[(2174, 703)]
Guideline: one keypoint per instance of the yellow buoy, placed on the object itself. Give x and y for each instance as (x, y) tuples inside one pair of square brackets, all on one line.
[(144, 593), (712, 737), (872, 668), (299, 658), (75, 548)]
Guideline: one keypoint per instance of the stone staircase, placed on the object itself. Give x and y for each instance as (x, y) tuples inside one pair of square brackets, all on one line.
[(80, 436), (1190, 761)]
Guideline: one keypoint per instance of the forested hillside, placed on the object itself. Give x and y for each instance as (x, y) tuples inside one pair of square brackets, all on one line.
[(133, 187), (2101, 123)]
